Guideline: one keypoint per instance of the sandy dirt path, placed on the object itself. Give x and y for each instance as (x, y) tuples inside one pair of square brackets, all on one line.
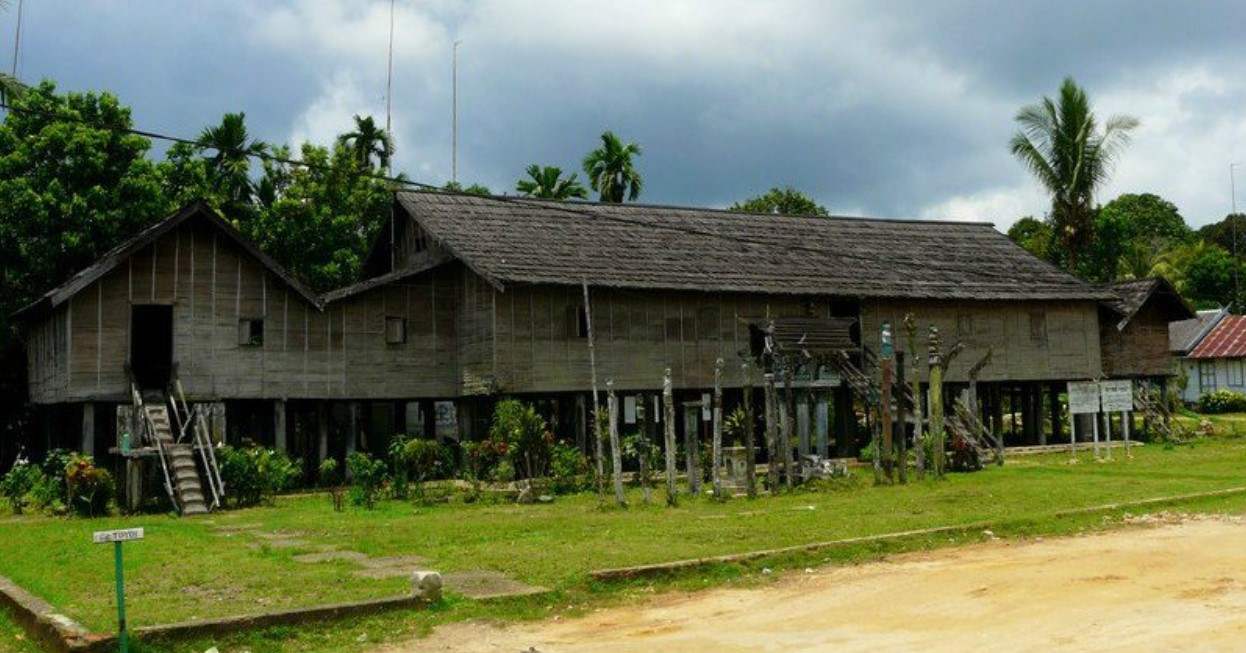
[(1173, 587)]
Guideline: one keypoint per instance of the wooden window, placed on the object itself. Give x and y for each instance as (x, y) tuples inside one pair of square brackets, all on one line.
[(577, 321), (1038, 326), (1236, 373), (1206, 376), (964, 324), (395, 330), (251, 332)]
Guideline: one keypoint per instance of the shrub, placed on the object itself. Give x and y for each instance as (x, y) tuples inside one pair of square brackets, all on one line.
[(568, 469), (331, 477), (90, 487), (526, 435), (734, 427), (16, 485), (254, 474), (367, 478), (480, 458), (1222, 401)]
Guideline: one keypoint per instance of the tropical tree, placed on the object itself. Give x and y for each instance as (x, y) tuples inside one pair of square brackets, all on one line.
[(1223, 232), (548, 183), (611, 170), (474, 189), (229, 167), (784, 201), (1062, 144), (368, 140), (1033, 235)]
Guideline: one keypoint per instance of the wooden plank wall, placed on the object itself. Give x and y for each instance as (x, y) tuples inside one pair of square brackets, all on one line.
[(1032, 341), (47, 350), (637, 335), (1141, 349)]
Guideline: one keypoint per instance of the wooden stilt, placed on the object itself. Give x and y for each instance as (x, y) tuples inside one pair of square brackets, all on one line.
[(616, 451), (772, 432), (750, 434), (716, 453), (668, 405)]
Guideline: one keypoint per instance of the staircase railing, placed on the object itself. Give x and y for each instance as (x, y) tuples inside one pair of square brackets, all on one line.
[(151, 435), (202, 442)]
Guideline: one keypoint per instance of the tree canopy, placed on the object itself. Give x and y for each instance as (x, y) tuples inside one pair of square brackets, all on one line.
[(1061, 143), (611, 169), (785, 201), (548, 183)]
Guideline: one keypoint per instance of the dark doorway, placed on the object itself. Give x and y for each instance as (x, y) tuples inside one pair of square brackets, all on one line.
[(151, 345)]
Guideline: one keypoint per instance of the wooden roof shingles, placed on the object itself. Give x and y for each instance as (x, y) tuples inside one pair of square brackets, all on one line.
[(511, 239)]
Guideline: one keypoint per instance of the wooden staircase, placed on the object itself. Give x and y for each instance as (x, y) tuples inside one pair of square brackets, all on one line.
[(182, 474)]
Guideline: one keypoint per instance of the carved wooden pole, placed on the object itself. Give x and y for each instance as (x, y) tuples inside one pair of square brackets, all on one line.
[(772, 432), (692, 454), (598, 436), (902, 455), (919, 440), (717, 453), (643, 444), (616, 456), (789, 421), (668, 405), (936, 402), (885, 363), (750, 435)]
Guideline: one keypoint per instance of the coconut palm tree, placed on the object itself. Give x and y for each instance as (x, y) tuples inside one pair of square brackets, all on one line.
[(548, 183), (611, 171), (1060, 141), (368, 140), (229, 168)]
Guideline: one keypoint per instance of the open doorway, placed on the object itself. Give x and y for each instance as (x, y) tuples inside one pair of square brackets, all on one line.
[(151, 345)]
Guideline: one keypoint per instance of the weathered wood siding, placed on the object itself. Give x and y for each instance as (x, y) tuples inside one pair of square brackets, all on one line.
[(637, 335), (427, 364), (1032, 341), (1141, 349), (47, 357)]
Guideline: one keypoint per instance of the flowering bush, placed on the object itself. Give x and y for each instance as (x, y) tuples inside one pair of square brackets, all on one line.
[(1222, 401), (89, 487), (255, 474), (526, 435), (16, 485)]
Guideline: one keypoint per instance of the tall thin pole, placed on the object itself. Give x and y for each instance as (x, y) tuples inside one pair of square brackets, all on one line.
[(17, 38), (389, 75), (454, 125), (1233, 229), (592, 366)]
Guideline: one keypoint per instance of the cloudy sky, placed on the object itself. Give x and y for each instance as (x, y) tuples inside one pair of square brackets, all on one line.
[(894, 109)]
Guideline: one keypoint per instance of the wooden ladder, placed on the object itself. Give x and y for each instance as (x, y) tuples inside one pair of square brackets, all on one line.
[(177, 460)]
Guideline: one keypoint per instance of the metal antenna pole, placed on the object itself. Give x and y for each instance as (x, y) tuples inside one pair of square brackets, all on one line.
[(1233, 228), (17, 38), (389, 75), (454, 125)]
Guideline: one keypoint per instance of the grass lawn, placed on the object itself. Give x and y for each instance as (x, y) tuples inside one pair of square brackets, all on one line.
[(189, 568), (12, 638)]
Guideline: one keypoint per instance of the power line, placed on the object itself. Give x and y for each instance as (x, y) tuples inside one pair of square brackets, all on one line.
[(265, 156)]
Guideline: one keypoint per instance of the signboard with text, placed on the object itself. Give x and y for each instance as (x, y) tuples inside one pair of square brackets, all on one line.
[(123, 535), (1117, 395), (1083, 397)]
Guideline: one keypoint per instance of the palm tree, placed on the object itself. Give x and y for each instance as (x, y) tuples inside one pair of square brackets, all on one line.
[(548, 183), (610, 169), (229, 168), (1061, 143), (368, 140)]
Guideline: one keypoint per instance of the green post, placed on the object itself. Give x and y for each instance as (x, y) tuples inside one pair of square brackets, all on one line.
[(122, 637)]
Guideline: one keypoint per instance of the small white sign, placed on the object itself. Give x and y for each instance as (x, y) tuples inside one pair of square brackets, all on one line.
[(629, 409), (1118, 395), (123, 535), (706, 415), (1083, 397)]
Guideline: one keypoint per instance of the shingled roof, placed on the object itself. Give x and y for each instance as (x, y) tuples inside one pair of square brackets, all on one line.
[(509, 239), (1132, 295)]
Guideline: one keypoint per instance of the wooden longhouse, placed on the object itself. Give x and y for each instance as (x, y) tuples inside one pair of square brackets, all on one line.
[(471, 298)]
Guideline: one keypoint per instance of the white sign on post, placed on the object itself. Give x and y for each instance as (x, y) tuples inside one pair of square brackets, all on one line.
[(123, 535), (1083, 397), (1118, 395)]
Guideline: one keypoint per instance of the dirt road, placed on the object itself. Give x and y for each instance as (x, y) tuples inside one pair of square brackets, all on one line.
[(1171, 587)]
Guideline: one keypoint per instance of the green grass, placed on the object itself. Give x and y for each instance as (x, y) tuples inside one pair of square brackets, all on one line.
[(184, 570), (12, 638)]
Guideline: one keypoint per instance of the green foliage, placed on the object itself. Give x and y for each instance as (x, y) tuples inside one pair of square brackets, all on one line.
[(526, 435), (254, 474), (474, 189), (1209, 277), (1061, 143), (228, 148), (414, 461), (90, 487), (781, 201), (330, 476), (366, 141), (481, 458), (367, 479), (1222, 401), (611, 169), (16, 485), (548, 183), (735, 426), (1221, 233), (568, 469), (1033, 235)]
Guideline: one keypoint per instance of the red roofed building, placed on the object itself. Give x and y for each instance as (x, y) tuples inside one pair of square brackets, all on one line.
[(1218, 360)]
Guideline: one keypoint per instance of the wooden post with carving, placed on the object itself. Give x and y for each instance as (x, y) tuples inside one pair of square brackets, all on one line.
[(668, 406), (644, 447), (750, 435), (616, 455), (910, 330), (902, 454), (885, 362), (716, 454), (598, 436), (772, 432), (789, 422), (937, 437)]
